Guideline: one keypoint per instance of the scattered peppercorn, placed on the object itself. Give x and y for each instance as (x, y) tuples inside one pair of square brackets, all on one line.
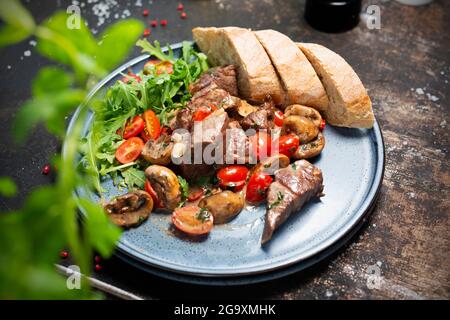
[(180, 7), (98, 267), (145, 12), (322, 124), (183, 15), (63, 254), (147, 32), (163, 23), (154, 23), (46, 169)]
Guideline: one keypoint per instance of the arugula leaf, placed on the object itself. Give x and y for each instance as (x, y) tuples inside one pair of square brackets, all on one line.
[(184, 189), (133, 177), (155, 50)]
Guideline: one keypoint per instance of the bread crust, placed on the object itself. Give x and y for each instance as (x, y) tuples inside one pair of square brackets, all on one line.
[(350, 105), (232, 45), (298, 77)]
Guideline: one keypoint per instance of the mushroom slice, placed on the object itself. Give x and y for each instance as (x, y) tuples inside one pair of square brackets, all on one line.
[(166, 185), (224, 205), (271, 164), (244, 108), (304, 111), (311, 149), (130, 209), (158, 151), (301, 126)]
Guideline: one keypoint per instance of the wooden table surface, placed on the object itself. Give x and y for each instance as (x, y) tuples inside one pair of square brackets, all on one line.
[(405, 66)]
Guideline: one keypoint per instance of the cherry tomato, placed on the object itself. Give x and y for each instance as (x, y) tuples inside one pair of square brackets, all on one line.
[(129, 150), (195, 193), (193, 220), (152, 124), (133, 127), (279, 115), (152, 193), (145, 135), (130, 76), (288, 144), (261, 145), (204, 111), (257, 187), (160, 66), (322, 124), (233, 176)]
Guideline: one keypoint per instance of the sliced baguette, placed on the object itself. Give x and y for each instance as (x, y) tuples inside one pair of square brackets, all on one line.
[(350, 105), (231, 45), (298, 77)]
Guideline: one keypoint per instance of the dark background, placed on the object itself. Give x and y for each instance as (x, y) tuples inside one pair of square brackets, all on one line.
[(405, 66)]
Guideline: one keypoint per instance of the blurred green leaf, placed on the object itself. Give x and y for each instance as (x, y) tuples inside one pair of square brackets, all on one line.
[(8, 187), (116, 41), (51, 80), (50, 109), (19, 24), (102, 233), (11, 35), (74, 47)]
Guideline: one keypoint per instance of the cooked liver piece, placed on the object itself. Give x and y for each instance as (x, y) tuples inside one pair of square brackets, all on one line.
[(293, 187)]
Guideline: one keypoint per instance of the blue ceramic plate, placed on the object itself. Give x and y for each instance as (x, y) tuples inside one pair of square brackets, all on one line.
[(352, 164)]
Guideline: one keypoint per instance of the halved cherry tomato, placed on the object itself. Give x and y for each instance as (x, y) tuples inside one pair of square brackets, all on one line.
[(193, 220), (160, 66), (233, 176), (279, 115), (261, 144), (288, 144), (152, 193), (129, 150), (322, 124), (152, 124), (195, 193), (133, 127), (130, 76), (145, 135), (257, 187), (204, 111)]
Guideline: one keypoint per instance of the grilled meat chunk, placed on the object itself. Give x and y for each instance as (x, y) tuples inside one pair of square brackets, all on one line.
[(220, 77), (207, 133), (293, 187), (262, 118)]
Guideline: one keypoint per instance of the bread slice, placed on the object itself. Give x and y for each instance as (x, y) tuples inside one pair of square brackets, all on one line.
[(298, 77), (232, 45), (350, 105)]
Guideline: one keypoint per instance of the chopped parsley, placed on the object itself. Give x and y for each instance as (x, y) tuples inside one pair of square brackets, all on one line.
[(294, 166), (203, 215), (280, 197), (184, 189)]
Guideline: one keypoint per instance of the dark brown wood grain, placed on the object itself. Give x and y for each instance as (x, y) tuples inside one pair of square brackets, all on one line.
[(406, 68)]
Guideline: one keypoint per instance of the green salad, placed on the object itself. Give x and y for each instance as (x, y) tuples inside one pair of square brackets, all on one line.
[(161, 87)]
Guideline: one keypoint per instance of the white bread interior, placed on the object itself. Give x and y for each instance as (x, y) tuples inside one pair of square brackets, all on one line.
[(349, 103), (298, 77), (239, 46)]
